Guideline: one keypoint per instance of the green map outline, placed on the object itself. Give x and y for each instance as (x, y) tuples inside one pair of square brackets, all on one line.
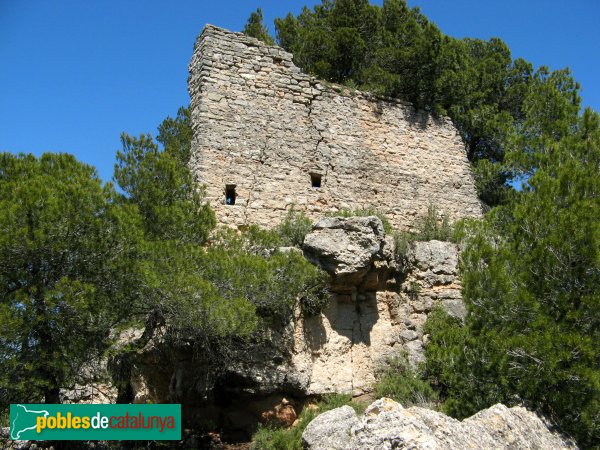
[(13, 426)]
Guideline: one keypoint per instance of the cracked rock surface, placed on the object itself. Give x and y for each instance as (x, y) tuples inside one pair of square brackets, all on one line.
[(345, 247), (374, 313), (387, 425)]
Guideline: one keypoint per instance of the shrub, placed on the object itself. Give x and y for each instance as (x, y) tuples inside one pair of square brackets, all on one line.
[(272, 437), (427, 228), (366, 212), (445, 353), (405, 385), (245, 265), (531, 283), (294, 228), (401, 246)]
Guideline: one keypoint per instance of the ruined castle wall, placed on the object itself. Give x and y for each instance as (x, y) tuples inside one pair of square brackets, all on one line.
[(263, 127)]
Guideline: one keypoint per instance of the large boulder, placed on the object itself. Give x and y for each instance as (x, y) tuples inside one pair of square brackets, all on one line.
[(387, 425), (331, 429), (434, 257), (346, 247)]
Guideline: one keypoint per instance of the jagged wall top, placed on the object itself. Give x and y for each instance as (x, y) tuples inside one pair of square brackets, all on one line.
[(267, 136)]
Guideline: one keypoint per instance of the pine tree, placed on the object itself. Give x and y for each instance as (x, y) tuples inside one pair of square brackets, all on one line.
[(394, 50), (255, 28), (531, 275), (68, 272)]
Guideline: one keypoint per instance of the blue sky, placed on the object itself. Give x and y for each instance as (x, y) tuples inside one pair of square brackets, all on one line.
[(75, 74)]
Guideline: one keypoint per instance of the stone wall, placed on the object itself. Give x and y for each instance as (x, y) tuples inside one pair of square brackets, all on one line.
[(269, 132)]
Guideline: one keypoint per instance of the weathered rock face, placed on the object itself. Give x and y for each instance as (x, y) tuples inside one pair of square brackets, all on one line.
[(345, 247), (93, 393), (432, 280), (376, 311), (341, 349), (387, 425), (92, 384), (267, 136)]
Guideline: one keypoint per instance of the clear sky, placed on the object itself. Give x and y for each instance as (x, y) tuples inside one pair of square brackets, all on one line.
[(74, 74)]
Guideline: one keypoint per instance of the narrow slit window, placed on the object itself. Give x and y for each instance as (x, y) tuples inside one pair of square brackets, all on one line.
[(230, 194), (315, 180)]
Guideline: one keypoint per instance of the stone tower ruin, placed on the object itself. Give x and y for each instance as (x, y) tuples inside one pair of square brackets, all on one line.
[(268, 137)]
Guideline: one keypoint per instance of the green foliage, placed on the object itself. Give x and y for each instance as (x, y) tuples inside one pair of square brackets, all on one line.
[(161, 186), (215, 293), (396, 51), (427, 228), (401, 247), (448, 353), (363, 212), (274, 437), (550, 112), (490, 180), (194, 306), (270, 280), (255, 28), (294, 228), (406, 385), (79, 261), (68, 255), (430, 227), (531, 277), (176, 221)]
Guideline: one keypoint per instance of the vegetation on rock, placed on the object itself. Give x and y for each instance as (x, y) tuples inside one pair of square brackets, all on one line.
[(531, 268), (79, 260), (347, 212), (531, 275), (408, 386), (294, 228), (275, 437)]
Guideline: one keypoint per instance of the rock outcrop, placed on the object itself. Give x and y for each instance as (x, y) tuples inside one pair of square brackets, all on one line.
[(431, 280), (341, 349), (345, 247), (387, 425), (377, 308), (376, 311)]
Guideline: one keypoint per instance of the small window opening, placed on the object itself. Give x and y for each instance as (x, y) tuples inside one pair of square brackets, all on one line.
[(230, 194), (315, 180)]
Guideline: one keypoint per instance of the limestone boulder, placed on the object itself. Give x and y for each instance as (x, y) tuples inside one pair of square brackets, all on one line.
[(346, 247), (437, 257), (331, 430), (387, 425)]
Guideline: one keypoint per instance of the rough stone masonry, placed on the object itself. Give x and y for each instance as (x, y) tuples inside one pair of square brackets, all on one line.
[(267, 136)]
